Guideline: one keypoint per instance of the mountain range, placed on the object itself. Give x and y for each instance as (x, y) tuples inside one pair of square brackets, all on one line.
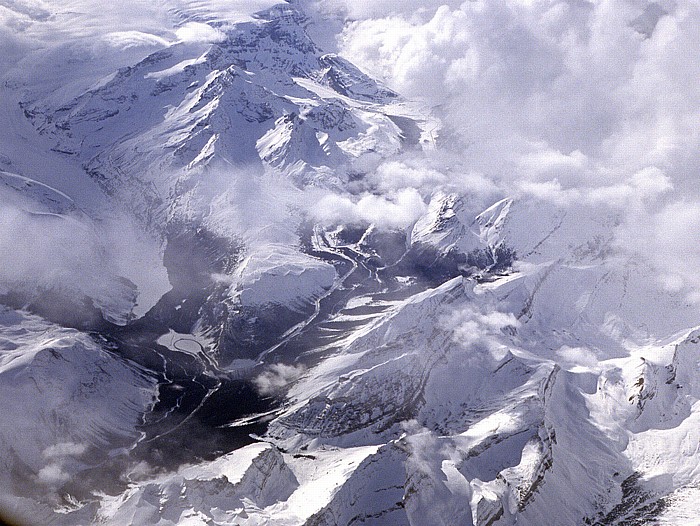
[(218, 307)]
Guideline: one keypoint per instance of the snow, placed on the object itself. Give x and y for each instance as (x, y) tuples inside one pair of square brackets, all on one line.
[(193, 344), (224, 490), (279, 274), (173, 70), (67, 404)]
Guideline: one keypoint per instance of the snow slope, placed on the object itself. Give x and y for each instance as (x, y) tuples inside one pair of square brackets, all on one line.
[(261, 93), (457, 396), (68, 405)]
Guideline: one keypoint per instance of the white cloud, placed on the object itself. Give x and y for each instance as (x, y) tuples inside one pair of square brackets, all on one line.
[(355, 10), (64, 449), (547, 162), (52, 475), (426, 173), (398, 210), (123, 40), (551, 191), (66, 32), (670, 240), (60, 457), (276, 377), (557, 100), (634, 193), (651, 181), (471, 327), (394, 175), (578, 356), (76, 257), (546, 90), (199, 32)]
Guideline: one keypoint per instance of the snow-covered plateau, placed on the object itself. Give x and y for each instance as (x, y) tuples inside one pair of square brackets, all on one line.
[(245, 282)]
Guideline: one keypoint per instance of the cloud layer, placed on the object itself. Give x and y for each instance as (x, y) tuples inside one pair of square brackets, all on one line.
[(573, 102)]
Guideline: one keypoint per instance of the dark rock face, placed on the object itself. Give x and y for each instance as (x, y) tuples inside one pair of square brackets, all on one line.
[(193, 257)]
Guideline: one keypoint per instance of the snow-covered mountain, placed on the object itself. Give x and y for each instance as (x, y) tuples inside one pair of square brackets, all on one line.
[(208, 318), (262, 94)]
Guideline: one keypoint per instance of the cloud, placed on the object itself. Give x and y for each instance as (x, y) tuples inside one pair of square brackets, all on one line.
[(276, 377), (397, 210), (645, 185), (394, 175), (43, 249), (61, 250), (546, 92), (641, 188), (670, 240), (64, 449), (69, 31), (199, 32), (426, 173), (563, 102), (471, 327), (60, 457), (546, 162), (578, 356), (560, 101), (354, 10), (32, 9), (53, 475), (123, 40)]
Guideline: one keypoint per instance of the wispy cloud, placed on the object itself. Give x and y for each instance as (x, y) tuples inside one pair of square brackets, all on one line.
[(276, 377)]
